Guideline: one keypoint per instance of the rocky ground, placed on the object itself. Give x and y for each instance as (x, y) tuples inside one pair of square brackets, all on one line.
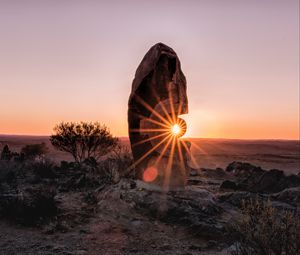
[(73, 211)]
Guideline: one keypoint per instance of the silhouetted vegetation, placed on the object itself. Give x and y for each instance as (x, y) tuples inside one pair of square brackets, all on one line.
[(83, 140), (32, 206), (44, 169), (117, 165), (8, 171), (6, 154), (267, 230), (32, 151)]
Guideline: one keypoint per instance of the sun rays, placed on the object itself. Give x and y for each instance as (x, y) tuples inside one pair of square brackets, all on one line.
[(162, 129)]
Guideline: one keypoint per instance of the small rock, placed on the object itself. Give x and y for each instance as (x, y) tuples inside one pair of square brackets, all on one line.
[(193, 172), (136, 223)]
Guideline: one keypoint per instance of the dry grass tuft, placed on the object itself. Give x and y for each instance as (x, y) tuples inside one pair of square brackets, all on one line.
[(266, 230)]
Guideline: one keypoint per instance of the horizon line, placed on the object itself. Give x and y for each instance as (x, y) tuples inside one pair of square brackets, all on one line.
[(216, 138)]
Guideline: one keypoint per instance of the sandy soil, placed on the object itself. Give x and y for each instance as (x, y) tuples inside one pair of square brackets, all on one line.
[(112, 230)]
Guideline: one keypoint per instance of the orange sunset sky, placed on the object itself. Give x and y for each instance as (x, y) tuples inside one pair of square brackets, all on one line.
[(72, 60)]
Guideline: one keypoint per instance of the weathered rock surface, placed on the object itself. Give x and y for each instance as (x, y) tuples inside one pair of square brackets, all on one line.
[(255, 179), (157, 97), (243, 170), (195, 209)]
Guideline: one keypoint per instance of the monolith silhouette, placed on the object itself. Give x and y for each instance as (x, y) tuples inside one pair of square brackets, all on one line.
[(157, 97)]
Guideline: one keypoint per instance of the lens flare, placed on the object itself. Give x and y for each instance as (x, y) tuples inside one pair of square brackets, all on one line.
[(150, 174), (162, 131)]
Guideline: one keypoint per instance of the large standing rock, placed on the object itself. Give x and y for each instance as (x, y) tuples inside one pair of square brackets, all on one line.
[(158, 96)]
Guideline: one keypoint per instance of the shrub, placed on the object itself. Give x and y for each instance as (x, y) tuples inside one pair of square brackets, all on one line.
[(6, 154), (267, 230), (114, 167), (118, 164), (83, 140), (31, 151), (9, 170), (43, 169), (29, 206), (123, 157)]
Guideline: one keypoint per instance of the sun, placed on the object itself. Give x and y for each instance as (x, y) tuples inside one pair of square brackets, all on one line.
[(176, 129)]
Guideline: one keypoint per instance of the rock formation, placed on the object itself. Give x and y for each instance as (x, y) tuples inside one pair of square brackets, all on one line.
[(255, 179), (157, 97)]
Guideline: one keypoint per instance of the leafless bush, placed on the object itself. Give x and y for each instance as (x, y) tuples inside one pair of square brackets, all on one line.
[(123, 157), (117, 165), (83, 140), (267, 230)]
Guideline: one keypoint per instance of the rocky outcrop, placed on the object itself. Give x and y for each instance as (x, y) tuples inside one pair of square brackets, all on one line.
[(254, 179), (196, 209), (243, 170)]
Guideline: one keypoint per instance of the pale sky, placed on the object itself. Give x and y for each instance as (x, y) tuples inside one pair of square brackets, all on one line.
[(68, 60)]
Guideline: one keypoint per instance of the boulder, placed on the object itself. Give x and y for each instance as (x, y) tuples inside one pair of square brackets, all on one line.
[(227, 184), (254, 179), (243, 170)]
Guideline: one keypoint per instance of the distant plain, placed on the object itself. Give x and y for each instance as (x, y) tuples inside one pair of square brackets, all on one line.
[(206, 152)]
